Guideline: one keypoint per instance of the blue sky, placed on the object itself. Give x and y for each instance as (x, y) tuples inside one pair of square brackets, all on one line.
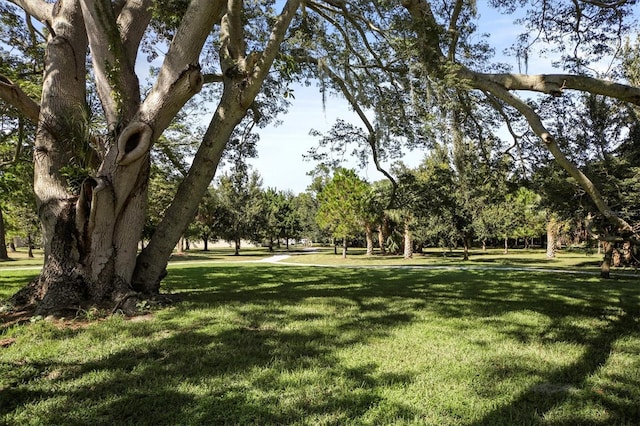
[(280, 150)]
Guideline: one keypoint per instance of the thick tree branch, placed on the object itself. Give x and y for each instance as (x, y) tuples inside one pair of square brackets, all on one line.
[(39, 9), (212, 78), (272, 48), (133, 20), (233, 49), (238, 94), (554, 84), (116, 81), (453, 29), (179, 77), (15, 96)]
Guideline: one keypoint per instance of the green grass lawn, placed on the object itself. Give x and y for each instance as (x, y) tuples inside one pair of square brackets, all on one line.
[(268, 344)]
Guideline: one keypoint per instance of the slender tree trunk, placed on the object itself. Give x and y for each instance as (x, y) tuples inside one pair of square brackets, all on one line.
[(408, 242), (3, 242), (552, 237), (237, 246), (467, 243), (484, 244), (506, 245), (605, 267), (270, 244), (205, 240), (369, 234), (344, 247), (30, 245), (382, 238)]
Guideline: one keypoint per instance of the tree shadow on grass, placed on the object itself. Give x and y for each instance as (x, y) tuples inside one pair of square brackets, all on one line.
[(268, 362), (566, 387), (212, 373)]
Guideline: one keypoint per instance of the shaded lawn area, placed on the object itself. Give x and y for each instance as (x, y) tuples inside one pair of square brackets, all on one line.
[(268, 344)]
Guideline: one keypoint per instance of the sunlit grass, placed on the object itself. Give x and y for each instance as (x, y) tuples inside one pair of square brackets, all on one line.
[(267, 344), (533, 258)]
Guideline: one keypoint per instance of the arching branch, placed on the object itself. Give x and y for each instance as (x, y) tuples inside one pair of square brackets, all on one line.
[(371, 139), (555, 84), (175, 84), (535, 122)]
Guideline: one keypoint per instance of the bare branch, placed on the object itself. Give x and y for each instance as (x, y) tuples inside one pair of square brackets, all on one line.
[(555, 84), (371, 139), (15, 96), (39, 9)]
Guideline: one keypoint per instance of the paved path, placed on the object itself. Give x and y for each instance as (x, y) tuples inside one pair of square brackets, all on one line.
[(280, 259)]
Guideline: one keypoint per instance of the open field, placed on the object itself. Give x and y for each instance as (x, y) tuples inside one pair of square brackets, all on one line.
[(566, 259), (255, 343)]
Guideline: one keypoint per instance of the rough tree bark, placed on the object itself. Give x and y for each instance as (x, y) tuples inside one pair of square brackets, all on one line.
[(408, 241), (243, 75), (552, 237), (90, 234), (369, 236)]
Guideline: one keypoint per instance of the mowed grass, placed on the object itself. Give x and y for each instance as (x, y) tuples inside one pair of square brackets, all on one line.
[(269, 344)]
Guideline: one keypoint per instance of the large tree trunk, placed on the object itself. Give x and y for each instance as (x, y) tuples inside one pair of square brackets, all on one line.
[(90, 230), (369, 235), (3, 242)]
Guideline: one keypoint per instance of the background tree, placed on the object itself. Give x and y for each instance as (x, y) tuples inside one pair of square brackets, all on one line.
[(305, 206), (281, 219), (209, 217), (241, 205), (342, 205)]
